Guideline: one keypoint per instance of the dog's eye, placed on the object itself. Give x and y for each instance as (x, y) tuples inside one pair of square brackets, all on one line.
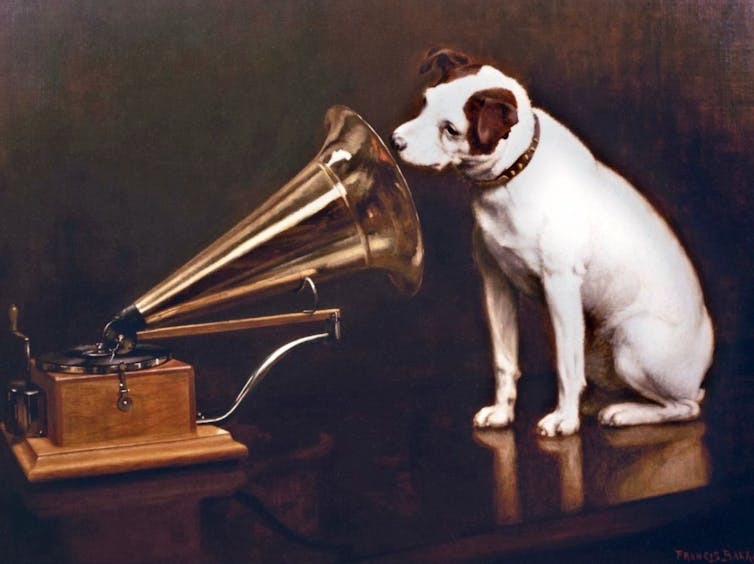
[(450, 129)]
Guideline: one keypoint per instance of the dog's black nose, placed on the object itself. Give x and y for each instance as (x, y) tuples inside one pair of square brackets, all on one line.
[(398, 142)]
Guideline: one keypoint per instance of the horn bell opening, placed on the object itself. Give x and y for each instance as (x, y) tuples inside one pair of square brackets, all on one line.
[(378, 195)]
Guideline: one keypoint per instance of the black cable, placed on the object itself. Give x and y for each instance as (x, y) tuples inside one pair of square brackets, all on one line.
[(344, 551)]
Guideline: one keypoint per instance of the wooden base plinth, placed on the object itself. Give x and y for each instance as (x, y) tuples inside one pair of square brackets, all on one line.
[(42, 461)]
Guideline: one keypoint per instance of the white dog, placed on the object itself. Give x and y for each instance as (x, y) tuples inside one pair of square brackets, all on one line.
[(557, 224)]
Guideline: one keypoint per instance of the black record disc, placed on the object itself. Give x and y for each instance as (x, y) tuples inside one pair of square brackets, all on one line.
[(89, 359)]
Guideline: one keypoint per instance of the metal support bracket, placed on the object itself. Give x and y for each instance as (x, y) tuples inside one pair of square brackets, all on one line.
[(332, 322), (257, 376)]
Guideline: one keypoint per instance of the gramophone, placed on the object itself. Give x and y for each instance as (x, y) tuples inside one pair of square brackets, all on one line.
[(125, 404)]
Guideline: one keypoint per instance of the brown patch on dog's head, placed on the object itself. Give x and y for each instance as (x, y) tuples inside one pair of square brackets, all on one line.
[(452, 64), (491, 114)]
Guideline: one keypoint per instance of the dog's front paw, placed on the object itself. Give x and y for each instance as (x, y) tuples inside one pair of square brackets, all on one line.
[(494, 416), (558, 423)]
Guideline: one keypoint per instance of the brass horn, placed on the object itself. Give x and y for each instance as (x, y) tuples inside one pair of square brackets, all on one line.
[(348, 209)]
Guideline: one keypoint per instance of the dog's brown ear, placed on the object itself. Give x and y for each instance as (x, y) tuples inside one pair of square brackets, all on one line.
[(491, 114), (444, 59)]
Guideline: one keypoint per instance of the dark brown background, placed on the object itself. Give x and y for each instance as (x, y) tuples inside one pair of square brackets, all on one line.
[(133, 133)]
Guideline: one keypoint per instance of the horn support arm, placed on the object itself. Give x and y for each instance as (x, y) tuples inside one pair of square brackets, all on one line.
[(332, 318)]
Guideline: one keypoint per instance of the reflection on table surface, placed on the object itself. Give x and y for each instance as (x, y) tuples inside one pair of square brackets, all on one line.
[(400, 477), (624, 465)]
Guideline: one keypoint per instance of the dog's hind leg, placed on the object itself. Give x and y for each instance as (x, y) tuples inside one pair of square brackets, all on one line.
[(672, 399), (625, 414), (502, 313), (659, 411)]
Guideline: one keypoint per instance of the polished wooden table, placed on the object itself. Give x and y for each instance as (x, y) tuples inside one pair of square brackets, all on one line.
[(384, 466)]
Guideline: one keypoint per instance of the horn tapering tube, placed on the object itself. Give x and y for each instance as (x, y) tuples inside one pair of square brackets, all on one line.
[(348, 209)]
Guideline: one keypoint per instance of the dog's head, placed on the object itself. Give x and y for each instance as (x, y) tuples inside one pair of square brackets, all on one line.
[(467, 118)]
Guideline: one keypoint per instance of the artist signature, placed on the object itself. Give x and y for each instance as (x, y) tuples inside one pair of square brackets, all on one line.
[(722, 555)]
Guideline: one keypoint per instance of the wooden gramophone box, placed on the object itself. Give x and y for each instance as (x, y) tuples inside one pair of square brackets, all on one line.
[(111, 423)]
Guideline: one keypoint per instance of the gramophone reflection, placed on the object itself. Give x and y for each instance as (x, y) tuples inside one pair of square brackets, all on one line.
[(120, 404)]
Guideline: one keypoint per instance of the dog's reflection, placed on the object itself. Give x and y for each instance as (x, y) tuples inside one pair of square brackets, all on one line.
[(653, 460), (599, 466), (569, 457), (506, 497)]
